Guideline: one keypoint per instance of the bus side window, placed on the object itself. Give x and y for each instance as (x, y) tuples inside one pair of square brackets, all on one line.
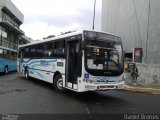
[(40, 51), (48, 48), (14, 55), (58, 51), (1, 53), (33, 52), (27, 52), (5, 53), (10, 55)]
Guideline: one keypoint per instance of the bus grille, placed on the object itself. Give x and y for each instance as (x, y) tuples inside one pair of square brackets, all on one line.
[(104, 82), (107, 86)]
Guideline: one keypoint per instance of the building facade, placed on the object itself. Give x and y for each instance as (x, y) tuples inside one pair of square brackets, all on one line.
[(24, 40), (10, 20), (137, 22)]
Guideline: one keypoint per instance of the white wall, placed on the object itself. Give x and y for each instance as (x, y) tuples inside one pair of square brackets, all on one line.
[(137, 22)]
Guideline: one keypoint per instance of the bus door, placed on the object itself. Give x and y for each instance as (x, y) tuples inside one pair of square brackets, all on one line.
[(73, 63), (19, 61)]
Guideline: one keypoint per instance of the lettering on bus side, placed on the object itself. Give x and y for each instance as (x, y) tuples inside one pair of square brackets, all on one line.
[(60, 64)]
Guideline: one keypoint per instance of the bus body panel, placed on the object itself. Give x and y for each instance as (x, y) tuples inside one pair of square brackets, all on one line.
[(89, 82), (92, 83), (1, 65), (10, 64), (44, 69), (8, 58)]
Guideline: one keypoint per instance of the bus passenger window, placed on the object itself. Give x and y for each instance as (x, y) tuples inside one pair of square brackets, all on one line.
[(40, 51), (48, 49), (58, 51)]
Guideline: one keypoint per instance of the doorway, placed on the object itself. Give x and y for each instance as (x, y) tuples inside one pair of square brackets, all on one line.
[(73, 62)]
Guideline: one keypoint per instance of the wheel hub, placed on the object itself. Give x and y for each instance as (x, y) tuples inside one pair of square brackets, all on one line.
[(60, 84)]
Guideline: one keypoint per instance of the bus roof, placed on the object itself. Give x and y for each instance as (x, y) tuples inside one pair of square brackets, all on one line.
[(5, 48), (63, 36)]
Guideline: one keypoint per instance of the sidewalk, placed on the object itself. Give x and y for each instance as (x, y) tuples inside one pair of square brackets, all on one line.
[(152, 88), (142, 89)]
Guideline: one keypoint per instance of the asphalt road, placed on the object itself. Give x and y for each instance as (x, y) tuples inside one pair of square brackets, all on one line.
[(21, 96)]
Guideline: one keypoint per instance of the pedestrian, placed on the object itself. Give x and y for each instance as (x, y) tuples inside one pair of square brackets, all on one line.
[(134, 75)]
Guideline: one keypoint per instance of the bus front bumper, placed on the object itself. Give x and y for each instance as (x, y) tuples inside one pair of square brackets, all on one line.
[(104, 87)]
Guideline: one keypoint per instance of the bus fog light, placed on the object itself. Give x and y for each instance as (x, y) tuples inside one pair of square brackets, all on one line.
[(121, 86), (87, 81), (120, 81), (91, 81), (90, 87)]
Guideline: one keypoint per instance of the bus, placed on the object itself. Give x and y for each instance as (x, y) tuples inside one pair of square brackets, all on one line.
[(80, 61), (8, 60)]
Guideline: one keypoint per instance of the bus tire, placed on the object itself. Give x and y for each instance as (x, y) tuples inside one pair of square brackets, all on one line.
[(26, 74), (58, 83), (6, 70)]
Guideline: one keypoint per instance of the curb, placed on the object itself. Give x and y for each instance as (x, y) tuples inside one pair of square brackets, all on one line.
[(142, 90)]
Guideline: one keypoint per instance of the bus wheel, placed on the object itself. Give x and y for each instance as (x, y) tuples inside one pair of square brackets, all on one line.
[(6, 70), (58, 83), (26, 73)]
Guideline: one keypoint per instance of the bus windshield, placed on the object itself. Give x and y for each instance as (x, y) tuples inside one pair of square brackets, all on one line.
[(104, 57)]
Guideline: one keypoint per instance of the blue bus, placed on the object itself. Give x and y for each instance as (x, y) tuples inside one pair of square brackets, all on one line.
[(8, 59)]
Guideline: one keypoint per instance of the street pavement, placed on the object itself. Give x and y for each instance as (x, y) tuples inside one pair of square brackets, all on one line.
[(21, 96), (141, 89), (153, 88)]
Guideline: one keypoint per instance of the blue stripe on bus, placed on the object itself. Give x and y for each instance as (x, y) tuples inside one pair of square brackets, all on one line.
[(29, 63), (40, 75), (39, 60), (32, 71), (36, 65)]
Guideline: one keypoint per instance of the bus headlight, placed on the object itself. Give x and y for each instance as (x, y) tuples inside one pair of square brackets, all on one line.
[(121, 80), (91, 81), (85, 80)]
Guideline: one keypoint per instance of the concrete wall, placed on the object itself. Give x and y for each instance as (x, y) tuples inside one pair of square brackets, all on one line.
[(12, 8), (149, 74), (10, 18), (137, 22)]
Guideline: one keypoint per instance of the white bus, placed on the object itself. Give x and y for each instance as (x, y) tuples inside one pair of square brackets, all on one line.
[(80, 61)]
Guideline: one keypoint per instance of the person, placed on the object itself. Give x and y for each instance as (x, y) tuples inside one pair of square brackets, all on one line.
[(134, 75)]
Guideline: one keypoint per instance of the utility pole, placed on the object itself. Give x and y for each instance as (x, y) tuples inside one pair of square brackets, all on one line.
[(94, 14)]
